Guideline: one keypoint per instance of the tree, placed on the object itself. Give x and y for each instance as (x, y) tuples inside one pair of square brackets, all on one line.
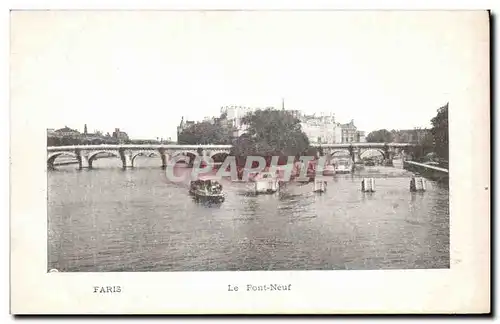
[(439, 132), (271, 133), (380, 136), (427, 143), (207, 133), (53, 141)]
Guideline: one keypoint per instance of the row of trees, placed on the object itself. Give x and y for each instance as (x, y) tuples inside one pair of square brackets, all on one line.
[(217, 132), (417, 136), (380, 136), (439, 132), (434, 140), (271, 132)]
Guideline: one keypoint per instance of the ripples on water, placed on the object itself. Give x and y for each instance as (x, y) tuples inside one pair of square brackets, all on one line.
[(109, 219)]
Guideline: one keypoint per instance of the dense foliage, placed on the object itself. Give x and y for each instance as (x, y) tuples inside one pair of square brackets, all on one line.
[(439, 132), (380, 136), (271, 132), (433, 142), (216, 132)]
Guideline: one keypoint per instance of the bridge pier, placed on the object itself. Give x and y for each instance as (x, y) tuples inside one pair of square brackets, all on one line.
[(388, 158), (356, 156), (164, 158), (84, 162), (83, 159), (126, 157)]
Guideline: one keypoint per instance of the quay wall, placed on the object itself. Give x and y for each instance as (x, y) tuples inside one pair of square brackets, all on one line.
[(427, 171)]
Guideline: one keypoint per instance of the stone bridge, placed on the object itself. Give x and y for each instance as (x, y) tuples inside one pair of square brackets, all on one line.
[(356, 150), (86, 154)]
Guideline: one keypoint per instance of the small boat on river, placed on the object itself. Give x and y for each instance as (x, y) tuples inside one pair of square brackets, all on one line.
[(320, 186), (266, 183), (329, 170), (343, 166), (207, 190)]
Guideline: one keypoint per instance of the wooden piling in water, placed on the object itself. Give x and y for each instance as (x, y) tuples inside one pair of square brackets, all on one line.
[(368, 185), (417, 184)]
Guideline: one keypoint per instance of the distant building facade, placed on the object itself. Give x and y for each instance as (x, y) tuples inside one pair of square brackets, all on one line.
[(361, 137), (323, 129), (210, 120), (63, 132), (234, 116), (92, 137), (320, 129), (69, 136), (120, 136), (349, 133), (184, 124)]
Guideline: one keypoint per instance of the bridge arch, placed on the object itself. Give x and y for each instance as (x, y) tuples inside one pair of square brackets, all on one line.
[(336, 153), (144, 153), (94, 155), (339, 152), (53, 156), (363, 152)]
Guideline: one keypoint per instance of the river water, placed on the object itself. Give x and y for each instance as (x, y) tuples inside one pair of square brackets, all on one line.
[(109, 219)]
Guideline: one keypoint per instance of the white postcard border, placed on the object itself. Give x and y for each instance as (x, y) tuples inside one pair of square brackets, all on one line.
[(462, 288)]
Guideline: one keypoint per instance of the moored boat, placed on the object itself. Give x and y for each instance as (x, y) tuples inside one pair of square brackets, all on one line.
[(343, 166), (266, 183), (207, 190), (319, 186), (329, 170)]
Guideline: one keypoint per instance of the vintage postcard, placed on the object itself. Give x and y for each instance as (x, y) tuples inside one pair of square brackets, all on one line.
[(249, 162)]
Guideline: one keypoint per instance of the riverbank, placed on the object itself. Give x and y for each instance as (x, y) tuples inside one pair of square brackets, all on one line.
[(427, 171)]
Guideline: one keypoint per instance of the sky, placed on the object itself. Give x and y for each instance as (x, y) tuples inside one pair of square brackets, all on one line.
[(141, 71)]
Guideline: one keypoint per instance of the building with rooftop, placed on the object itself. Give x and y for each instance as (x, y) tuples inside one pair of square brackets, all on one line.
[(120, 135), (349, 133), (320, 129)]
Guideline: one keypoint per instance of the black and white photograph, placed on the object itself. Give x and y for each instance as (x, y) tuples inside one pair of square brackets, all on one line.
[(239, 141), (238, 84)]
